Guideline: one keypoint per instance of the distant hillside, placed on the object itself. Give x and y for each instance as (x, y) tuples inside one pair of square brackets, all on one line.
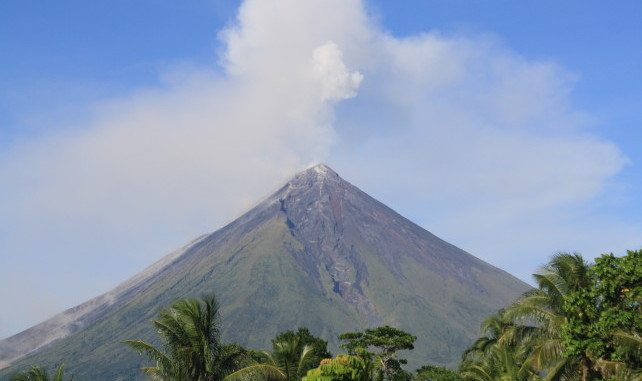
[(318, 253)]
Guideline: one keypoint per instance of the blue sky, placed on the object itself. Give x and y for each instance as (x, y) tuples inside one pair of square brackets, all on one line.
[(511, 129)]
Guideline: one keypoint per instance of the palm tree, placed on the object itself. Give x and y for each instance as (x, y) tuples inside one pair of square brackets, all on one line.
[(529, 332), (543, 309), (37, 373), (497, 354), (192, 349), (294, 358), (288, 361), (497, 330), (500, 363)]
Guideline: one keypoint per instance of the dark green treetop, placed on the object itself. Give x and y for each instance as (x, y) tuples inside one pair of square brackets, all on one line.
[(436, 373), (382, 345), (319, 346), (606, 315)]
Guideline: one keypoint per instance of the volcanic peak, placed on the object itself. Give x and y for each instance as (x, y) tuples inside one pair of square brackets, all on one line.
[(317, 174)]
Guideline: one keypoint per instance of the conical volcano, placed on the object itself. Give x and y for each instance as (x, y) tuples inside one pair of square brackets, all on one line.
[(318, 253)]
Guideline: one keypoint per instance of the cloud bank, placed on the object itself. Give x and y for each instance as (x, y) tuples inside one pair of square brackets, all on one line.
[(469, 138)]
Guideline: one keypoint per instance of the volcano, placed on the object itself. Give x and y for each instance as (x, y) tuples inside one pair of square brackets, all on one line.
[(318, 253)]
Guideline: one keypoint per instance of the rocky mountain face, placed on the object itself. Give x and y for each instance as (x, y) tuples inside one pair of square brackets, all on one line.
[(318, 253)]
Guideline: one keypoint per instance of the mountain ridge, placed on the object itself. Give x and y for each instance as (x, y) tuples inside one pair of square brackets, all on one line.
[(318, 243)]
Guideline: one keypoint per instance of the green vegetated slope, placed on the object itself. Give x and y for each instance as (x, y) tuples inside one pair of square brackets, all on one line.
[(319, 253)]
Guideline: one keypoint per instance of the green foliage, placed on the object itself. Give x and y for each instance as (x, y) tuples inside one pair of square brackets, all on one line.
[(293, 354), (386, 340), (192, 349), (382, 345), (499, 363), (341, 368), (605, 318), (523, 340), (496, 355), (319, 347), (36, 373), (260, 371), (436, 373), (582, 322)]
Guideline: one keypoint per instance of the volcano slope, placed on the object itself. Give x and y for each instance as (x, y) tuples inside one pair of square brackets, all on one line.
[(318, 253)]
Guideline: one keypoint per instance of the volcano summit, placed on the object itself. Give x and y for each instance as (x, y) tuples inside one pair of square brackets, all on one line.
[(318, 253)]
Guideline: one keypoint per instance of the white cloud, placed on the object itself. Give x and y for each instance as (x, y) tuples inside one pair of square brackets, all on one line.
[(483, 147), (460, 132), (335, 80)]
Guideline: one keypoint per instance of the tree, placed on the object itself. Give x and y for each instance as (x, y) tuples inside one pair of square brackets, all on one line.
[(289, 347), (581, 321), (499, 354), (192, 349), (501, 363), (498, 330), (605, 319), (319, 346), (36, 373), (341, 368), (543, 310), (290, 359), (384, 342), (436, 373)]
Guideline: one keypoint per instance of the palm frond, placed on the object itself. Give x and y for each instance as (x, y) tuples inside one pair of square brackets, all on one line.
[(261, 372), (60, 372), (161, 359)]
